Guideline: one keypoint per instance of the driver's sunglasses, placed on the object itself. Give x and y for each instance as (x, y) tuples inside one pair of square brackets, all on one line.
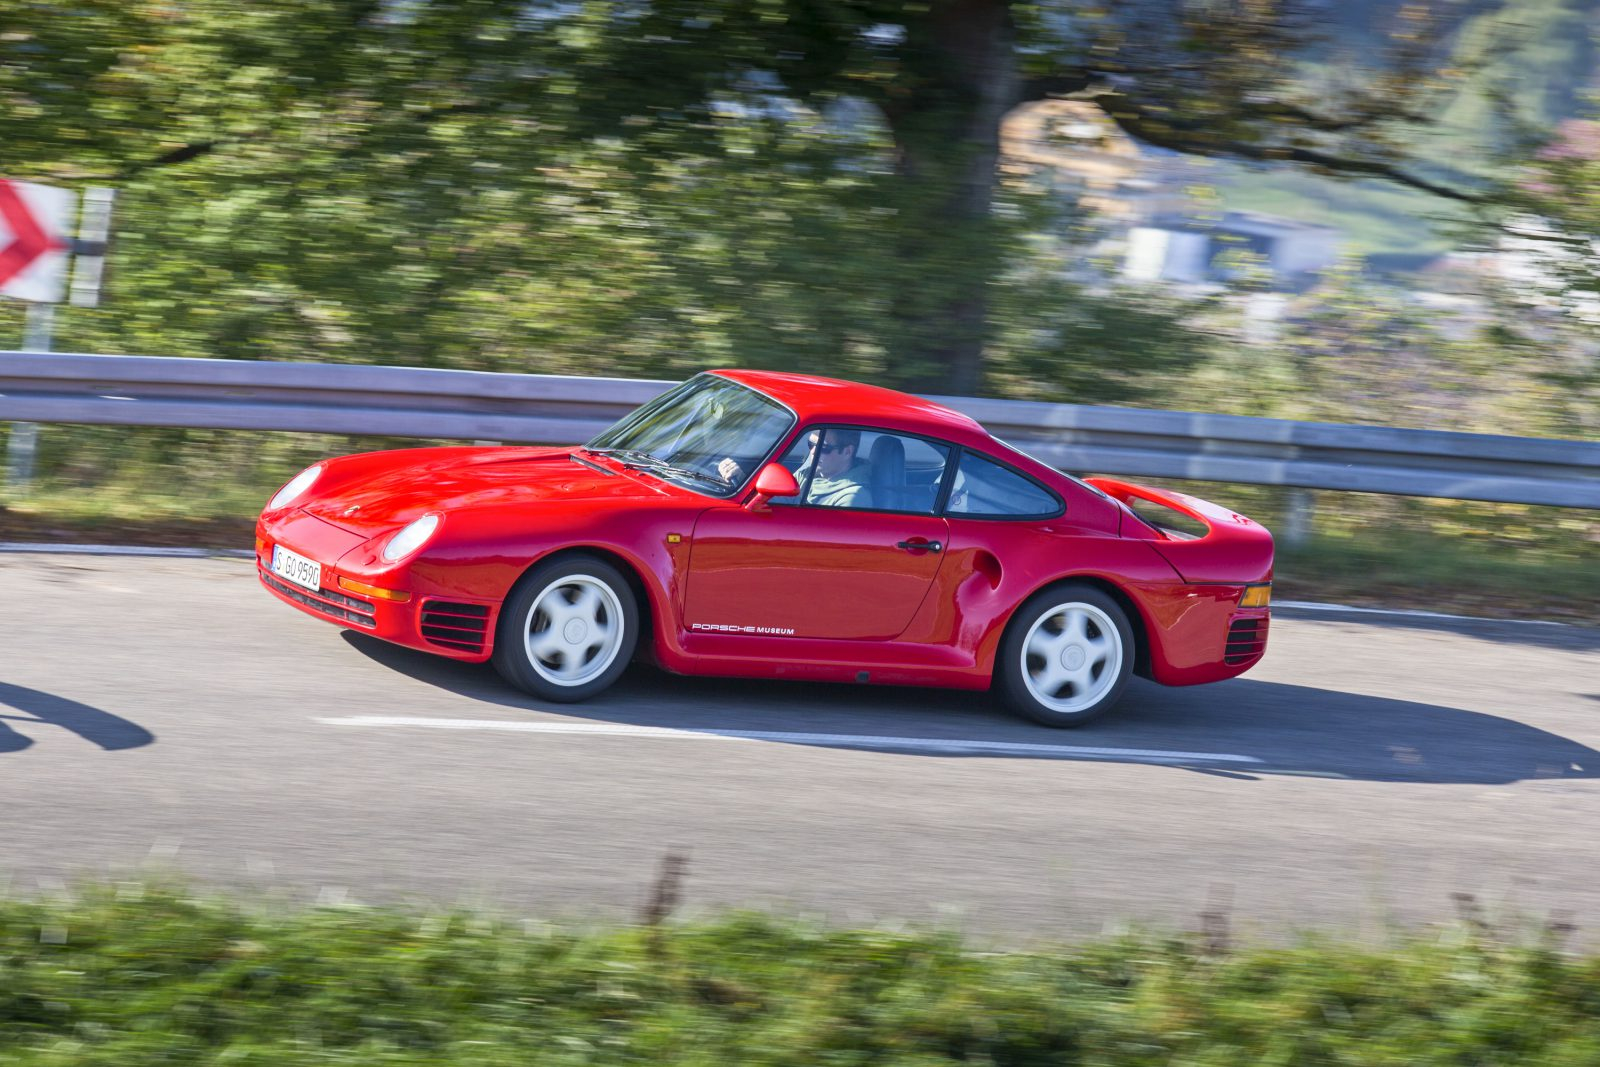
[(830, 446)]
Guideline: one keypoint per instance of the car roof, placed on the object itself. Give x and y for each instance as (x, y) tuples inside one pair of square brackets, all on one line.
[(816, 399)]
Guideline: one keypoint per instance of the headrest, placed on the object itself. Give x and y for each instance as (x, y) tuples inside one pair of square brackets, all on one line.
[(887, 461), (888, 456)]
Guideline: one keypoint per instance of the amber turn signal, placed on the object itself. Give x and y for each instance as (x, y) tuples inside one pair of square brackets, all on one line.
[(1255, 596), (353, 586)]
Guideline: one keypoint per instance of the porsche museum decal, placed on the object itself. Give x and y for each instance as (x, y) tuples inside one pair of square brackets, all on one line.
[(730, 628)]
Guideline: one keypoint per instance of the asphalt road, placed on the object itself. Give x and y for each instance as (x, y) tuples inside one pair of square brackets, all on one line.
[(160, 714)]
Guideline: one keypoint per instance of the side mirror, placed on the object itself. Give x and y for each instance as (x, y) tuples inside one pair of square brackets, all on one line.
[(772, 480)]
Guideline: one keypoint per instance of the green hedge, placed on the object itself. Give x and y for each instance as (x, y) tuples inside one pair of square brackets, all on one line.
[(141, 976)]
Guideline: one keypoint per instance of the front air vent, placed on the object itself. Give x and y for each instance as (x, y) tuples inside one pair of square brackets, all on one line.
[(329, 602), (462, 627), (1247, 639)]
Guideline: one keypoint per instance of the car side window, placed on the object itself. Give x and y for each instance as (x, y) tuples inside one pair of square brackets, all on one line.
[(988, 490), (849, 467)]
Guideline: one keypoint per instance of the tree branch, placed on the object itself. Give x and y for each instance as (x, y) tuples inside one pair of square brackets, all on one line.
[(1194, 138), (182, 155), (1312, 120)]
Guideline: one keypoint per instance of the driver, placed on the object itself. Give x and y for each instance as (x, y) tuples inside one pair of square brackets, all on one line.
[(841, 478)]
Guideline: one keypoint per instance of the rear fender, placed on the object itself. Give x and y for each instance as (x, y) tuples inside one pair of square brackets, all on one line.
[(1234, 548)]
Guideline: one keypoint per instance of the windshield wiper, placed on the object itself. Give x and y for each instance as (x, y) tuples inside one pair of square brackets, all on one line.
[(632, 457), (627, 455), (704, 479)]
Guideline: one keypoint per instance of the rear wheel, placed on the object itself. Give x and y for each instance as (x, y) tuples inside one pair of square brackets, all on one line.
[(1066, 656), (568, 629)]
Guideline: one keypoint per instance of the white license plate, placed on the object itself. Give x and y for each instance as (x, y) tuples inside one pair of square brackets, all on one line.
[(296, 568)]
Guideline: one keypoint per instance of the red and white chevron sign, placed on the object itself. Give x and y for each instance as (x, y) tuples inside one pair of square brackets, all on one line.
[(35, 221)]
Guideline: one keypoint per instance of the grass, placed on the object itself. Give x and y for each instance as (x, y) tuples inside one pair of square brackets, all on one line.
[(205, 489), (1413, 570), (137, 975), (1470, 557), (127, 517), (137, 486)]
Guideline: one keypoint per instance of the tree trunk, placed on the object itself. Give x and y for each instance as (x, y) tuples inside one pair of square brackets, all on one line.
[(945, 114)]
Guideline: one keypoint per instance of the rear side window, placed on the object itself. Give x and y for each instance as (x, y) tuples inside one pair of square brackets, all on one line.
[(984, 489)]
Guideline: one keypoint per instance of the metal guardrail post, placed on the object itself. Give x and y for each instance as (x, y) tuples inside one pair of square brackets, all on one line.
[(23, 442), (1297, 520)]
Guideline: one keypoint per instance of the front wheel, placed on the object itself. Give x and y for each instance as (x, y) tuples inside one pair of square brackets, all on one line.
[(1066, 656), (568, 629)]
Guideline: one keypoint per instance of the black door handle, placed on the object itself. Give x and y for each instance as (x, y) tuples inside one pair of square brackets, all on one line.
[(925, 546)]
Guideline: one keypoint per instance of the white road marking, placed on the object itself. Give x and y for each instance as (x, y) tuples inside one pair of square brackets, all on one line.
[(1307, 605), (927, 744)]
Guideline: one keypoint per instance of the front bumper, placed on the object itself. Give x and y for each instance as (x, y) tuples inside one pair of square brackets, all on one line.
[(328, 603), (450, 627)]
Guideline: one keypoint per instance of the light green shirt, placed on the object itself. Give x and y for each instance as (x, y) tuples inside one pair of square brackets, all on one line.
[(846, 490)]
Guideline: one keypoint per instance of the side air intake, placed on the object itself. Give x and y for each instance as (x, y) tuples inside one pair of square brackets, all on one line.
[(462, 627)]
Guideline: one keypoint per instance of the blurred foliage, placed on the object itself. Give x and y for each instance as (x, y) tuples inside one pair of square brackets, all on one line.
[(1523, 65), (1556, 231), (648, 190), (1355, 349), (1512, 70), (1515, 70), (144, 975), (637, 189)]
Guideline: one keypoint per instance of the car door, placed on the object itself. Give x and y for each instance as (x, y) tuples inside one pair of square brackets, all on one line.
[(858, 568)]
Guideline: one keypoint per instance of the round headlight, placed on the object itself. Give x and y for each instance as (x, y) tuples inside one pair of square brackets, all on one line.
[(411, 538), (297, 485)]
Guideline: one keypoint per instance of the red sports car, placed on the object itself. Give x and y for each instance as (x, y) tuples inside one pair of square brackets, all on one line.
[(769, 525)]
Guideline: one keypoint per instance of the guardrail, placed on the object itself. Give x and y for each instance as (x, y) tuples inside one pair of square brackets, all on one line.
[(545, 409)]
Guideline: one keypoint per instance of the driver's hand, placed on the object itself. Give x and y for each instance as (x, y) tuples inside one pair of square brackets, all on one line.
[(730, 471)]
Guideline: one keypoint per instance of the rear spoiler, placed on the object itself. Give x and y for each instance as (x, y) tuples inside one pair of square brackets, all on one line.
[(1233, 550)]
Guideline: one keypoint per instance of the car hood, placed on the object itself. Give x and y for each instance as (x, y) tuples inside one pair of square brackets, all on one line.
[(384, 491)]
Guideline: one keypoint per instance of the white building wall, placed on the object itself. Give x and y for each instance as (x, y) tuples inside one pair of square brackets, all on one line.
[(1155, 254), (1146, 256)]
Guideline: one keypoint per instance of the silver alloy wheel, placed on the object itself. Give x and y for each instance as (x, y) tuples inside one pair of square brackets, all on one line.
[(574, 630), (1071, 657)]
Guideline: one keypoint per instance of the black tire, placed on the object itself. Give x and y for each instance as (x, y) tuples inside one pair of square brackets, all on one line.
[(534, 648), (1089, 674)]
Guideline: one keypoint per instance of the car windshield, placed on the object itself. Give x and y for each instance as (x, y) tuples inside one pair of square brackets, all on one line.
[(690, 434)]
